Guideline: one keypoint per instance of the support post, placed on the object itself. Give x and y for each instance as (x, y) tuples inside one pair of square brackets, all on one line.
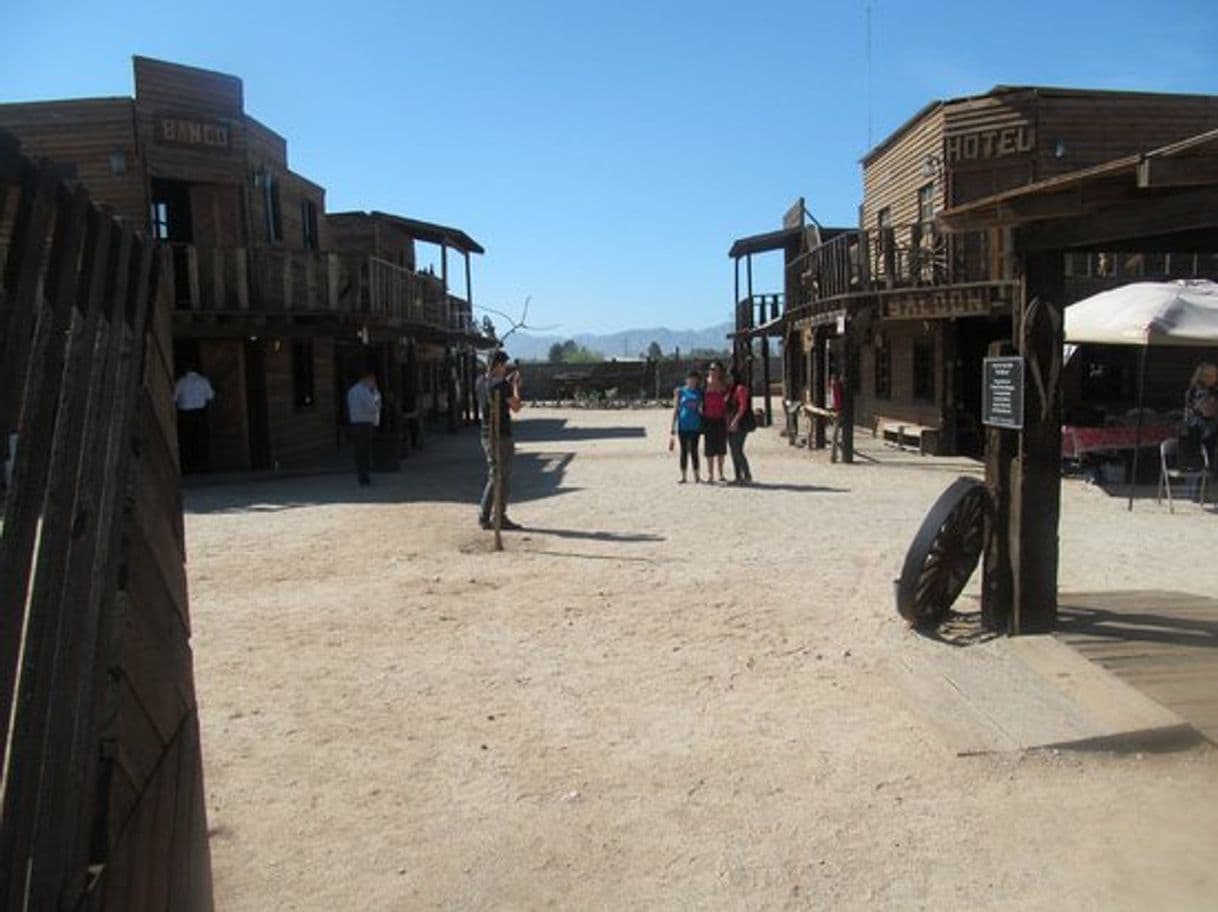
[(996, 586), (845, 420), (469, 285), (819, 380), (1036, 475), (748, 343), (765, 378), (497, 467)]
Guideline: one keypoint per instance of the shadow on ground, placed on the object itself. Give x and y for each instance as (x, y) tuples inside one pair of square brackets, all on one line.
[(1175, 618), (539, 430), (795, 488), (585, 535), (450, 470)]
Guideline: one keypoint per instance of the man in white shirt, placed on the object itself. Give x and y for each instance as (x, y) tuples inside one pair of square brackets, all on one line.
[(364, 414), (192, 394)]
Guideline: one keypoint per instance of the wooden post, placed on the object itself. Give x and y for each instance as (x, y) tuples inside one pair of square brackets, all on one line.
[(748, 340), (996, 586), (765, 378), (497, 467), (1036, 475), (819, 379), (845, 419), (469, 285), (737, 346), (949, 394), (450, 386)]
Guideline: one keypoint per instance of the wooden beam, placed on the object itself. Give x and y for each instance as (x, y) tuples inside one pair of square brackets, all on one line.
[(1158, 214), (1193, 171), (996, 585), (1035, 501)]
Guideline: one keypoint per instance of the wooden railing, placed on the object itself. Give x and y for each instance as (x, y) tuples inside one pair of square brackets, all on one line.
[(398, 293), (899, 256), (758, 309), (280, 281)]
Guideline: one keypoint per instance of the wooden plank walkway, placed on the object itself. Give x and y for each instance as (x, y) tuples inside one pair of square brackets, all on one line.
[(1161, 642)]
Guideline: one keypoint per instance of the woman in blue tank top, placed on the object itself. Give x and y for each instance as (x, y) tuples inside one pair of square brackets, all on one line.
[(687, 421)]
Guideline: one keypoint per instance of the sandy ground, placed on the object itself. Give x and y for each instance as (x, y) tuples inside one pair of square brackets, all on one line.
[(660, 697)]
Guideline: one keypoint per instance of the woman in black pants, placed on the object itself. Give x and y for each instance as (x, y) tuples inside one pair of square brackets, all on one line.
[(687, 421), (740, 410)]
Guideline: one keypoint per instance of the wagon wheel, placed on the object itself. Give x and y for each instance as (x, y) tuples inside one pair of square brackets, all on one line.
[(944, 553)]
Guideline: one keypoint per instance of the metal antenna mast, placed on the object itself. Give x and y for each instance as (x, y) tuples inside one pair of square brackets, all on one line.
[(868, 39)]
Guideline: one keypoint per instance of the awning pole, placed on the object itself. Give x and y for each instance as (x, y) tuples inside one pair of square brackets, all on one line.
[(1137, 436)]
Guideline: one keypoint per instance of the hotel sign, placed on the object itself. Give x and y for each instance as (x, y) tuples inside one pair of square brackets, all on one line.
[(985, 145), (938, 305), (211, 135)]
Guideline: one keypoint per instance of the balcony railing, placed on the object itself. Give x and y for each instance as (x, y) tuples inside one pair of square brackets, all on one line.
[(296, 282), (757, 310), (900, 256)]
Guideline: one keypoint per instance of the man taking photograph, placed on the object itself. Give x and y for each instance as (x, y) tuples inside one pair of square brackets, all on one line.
[(502, 384)]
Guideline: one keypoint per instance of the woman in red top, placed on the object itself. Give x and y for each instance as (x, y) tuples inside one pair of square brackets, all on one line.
[(740, 406), (714, 421)]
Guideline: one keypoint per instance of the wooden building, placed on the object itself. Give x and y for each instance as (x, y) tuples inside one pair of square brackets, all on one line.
[(905, 312), (277, 304)]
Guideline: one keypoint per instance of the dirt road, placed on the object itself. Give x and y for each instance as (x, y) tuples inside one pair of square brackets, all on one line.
[(659, 697)]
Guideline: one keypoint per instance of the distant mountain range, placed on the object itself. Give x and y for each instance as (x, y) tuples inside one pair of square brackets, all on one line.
[(628, 343)]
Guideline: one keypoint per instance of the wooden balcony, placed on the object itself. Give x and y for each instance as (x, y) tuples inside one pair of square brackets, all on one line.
[(272, 282), (911, 260), (758, 314), (893, 258)]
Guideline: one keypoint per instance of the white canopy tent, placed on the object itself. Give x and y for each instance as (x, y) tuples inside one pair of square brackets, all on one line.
[(1182, 313)]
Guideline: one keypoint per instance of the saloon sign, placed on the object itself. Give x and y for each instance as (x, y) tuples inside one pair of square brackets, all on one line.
[(984, 145), (189, 131)]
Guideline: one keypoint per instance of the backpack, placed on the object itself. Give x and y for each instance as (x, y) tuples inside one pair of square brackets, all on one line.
[(748, 421)]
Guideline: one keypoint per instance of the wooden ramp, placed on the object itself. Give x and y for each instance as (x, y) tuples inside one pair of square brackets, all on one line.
[(1165, 644), (1028, 692)]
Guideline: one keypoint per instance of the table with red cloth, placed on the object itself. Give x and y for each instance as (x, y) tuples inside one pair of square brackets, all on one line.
[(1079, 440)]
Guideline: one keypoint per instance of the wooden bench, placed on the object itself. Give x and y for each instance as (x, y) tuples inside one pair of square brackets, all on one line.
[(898, 432)]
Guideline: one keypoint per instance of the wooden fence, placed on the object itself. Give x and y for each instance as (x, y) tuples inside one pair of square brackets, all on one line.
[(101, 803)]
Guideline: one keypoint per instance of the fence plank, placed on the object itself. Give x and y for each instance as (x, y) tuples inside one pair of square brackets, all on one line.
[(101, 801), (46, 635)]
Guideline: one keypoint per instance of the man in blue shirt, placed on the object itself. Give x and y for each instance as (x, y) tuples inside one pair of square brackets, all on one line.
[(503, 380), (364, 413)]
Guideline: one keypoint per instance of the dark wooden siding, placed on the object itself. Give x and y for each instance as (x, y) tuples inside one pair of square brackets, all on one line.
[(1100, 127), (900, 336), (80, 137), (300, 436)]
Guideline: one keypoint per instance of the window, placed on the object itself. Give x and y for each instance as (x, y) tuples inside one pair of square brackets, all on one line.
[(883, 367), (883, 218), (926, 203), (160, 221), (924, 369), (274, 216), (302, 374), (1078, 265), (308, 223)]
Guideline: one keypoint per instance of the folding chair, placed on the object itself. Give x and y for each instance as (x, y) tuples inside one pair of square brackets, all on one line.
[(1183, 459)]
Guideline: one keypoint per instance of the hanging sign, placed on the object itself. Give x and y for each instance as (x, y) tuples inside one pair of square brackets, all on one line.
[(1002, 392)]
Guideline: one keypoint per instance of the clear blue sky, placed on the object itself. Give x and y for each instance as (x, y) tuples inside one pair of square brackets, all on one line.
[(605, 153)]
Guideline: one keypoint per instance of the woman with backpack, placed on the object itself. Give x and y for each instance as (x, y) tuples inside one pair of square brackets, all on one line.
[(740, 422)]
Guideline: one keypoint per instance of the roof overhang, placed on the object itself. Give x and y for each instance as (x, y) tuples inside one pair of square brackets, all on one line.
[(1166, 191), (428, 232)]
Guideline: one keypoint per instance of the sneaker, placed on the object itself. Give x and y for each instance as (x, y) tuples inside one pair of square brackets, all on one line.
[(510, 526), (484, 523)]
